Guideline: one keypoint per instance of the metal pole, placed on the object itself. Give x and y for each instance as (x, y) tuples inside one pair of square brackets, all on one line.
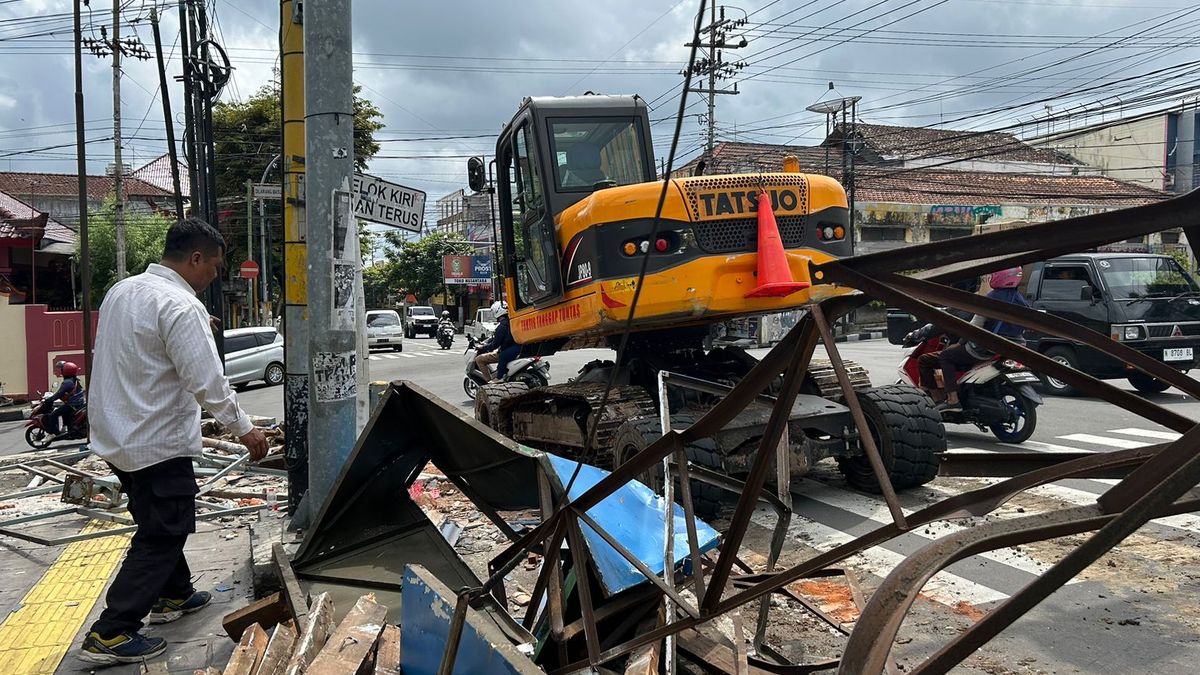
[(204, 141), (251, 296), (119, 208), (263, 273), (189, 122), (295, 256), (712, 83), (81, 171), (332, 340), (172, 154)]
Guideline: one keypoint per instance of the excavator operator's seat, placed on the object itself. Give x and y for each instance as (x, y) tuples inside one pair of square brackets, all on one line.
[(583, 166)]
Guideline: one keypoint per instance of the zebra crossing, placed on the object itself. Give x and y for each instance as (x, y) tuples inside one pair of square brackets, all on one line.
[(414, 350), (826, 515)]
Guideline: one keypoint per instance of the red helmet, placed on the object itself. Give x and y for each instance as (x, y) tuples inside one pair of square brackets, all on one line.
[(70, 369), (1009, 278)]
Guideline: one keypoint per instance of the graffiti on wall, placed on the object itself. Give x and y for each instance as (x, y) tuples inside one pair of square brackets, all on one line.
[(950, 214)]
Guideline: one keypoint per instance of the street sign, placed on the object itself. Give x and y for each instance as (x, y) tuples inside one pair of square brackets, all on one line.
[(387, 203), (268, 191), (248, 270)]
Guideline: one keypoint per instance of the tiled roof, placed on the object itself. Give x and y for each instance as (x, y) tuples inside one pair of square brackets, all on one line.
[(909, 142), (60, 184), (976, 188), (12, 209), (158, 174), (751, 157)]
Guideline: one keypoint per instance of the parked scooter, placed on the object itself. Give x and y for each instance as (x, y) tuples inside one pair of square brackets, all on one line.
[(37, 433), (533, 371), (445, 335), (996, 395)]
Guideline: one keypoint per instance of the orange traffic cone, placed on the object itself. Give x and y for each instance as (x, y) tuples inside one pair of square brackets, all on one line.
[(774, 277)]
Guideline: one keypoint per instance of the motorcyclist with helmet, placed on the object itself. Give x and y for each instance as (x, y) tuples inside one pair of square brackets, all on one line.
[(445, 320), (964, 354), (60, 421), (501, 348)]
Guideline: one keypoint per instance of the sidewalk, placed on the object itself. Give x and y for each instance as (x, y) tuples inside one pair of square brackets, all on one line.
[(44, 590)]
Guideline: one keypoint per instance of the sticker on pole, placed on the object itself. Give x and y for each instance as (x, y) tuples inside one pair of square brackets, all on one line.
[(344, 273), (387, 203), (334, 376)]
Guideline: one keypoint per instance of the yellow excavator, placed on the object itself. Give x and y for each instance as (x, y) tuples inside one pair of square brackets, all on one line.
[(577, 192)]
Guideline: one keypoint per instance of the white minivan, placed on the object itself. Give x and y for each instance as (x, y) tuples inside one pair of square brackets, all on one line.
[(384, 329)]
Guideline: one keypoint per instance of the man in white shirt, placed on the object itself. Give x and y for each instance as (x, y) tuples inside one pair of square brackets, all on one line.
[(156, 364)]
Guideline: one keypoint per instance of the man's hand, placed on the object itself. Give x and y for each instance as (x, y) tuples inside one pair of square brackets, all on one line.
[(214, 322), (256, 442)]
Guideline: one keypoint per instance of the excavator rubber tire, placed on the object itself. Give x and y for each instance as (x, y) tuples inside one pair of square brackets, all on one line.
[(487, 404), (909, 433), (637, 434)]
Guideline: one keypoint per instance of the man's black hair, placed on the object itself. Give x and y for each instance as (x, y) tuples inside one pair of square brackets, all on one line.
[(192, 234)]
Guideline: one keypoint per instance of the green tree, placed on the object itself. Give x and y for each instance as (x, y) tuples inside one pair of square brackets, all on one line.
[(145, 235), (247, 135), (416, 266)]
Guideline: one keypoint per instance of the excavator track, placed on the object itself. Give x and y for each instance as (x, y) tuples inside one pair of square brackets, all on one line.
[(556, 418), (823, 376)]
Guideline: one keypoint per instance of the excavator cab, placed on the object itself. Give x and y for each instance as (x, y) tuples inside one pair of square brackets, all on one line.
[(554, 153)]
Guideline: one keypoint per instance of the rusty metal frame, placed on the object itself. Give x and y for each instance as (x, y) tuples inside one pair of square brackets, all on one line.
[(1155, 480)]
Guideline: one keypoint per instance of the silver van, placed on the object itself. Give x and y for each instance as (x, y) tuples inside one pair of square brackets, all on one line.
[(384, 329), (254, 354)]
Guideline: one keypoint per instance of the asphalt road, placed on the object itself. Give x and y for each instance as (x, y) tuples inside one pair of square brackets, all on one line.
[(441, 372)]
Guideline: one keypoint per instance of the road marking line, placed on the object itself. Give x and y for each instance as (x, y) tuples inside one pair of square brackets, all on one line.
[(407, 356), (389, 356), (1122, 443), (877, 511), (944, 587), (1045, 447), (372, 358), (1148, 433), (1077, 497), (36, 636)]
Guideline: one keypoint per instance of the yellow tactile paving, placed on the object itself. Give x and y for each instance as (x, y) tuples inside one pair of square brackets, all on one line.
[(34, 638)]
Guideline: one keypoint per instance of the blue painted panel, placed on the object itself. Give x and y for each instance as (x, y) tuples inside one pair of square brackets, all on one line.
[(635, 517), (425, 615)]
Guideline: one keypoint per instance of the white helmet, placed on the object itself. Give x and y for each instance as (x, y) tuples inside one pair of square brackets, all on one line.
[(499, 307)]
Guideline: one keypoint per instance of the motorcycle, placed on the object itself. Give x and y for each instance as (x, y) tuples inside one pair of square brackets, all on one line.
[(445, 336), (37, 431), (997, 395), (533, 371)]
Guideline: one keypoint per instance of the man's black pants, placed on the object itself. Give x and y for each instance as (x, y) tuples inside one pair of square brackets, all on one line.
[(161, 501)]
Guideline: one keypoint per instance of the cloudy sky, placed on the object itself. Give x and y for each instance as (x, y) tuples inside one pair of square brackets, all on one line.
[(455, 71)]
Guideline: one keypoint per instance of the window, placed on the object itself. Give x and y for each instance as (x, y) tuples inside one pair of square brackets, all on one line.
[(530, 227), (1065, 282), (883, 234), (266, 337), (382, 319), (1170, 237), (239, 343), (1131, 278), (421, 311), (587, 152)]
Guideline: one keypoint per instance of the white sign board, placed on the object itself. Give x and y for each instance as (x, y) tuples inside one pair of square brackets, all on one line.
[(387, 203), (268, 190)]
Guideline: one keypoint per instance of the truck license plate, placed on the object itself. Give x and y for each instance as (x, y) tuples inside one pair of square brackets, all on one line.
[(1177, 354)]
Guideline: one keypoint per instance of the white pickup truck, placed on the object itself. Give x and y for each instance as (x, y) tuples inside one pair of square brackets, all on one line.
[(482, 327)]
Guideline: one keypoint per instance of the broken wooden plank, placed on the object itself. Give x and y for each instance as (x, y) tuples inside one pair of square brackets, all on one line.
[(211, 670), (293, 595), (279, 650), (711, 656), (387, 653), (249, 652), (352, 641), (312, 639), (644, 660), (156, 668), (267, 612)]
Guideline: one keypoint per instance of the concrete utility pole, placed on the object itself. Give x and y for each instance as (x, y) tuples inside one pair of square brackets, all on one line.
[(118, 188), (716, 68), (295, 255), (333, 256)]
